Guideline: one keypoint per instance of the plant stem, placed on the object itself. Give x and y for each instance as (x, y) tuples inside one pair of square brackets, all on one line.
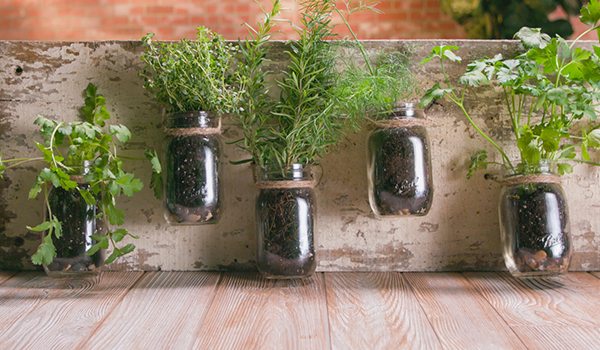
[(361, 47)]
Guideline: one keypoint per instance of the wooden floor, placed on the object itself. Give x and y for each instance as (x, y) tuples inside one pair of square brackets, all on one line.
[(185, 310)]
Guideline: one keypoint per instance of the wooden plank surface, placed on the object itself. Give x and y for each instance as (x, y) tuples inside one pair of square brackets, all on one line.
[(70, 314), (557, 313), (376, 310), (250, 312), (5, 275), (163, 310), (597, 274), (461, 317)]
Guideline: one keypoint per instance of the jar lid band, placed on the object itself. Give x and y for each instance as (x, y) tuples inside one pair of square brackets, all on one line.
[(286, 184), (533, 178), (193, 131)]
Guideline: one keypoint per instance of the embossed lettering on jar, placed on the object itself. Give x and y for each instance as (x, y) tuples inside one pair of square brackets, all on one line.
[(534, 223), (399, 165), (193, 194), (285, 211)]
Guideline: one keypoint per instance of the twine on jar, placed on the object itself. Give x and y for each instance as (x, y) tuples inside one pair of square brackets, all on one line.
[(193, 131), (78, 178), (286, 184), (534, 178), (401, 123)]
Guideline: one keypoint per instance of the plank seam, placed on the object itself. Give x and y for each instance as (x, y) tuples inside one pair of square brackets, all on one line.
[(414, 294), (494, 308), (327, 309), (11, 273), (595, 274), (212, 300), (101, 322)]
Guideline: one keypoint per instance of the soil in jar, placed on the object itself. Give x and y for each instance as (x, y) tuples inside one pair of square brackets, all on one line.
[(538, 216), (193, 179), (79, 223), (401, 173), (285, 219)]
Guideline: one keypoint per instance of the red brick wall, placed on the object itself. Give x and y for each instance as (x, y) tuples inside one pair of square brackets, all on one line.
[(173, 19)]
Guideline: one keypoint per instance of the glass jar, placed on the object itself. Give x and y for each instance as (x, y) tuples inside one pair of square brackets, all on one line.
[(193, 194), (79, 222), (285, 211), (399, 165), (534, 224)]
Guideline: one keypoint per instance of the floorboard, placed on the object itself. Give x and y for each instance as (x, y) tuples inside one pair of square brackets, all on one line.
[(376, 310), (164, 310), (546, 313), (250, 312), (597, 274), (461, 317), (59, 313), (5, 275)]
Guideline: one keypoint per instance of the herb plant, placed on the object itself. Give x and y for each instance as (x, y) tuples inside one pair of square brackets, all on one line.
[(548, 90), (66, 147), (191, 75)]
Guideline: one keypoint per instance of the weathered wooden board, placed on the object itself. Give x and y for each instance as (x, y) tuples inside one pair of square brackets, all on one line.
[(553, 313), (461, 317), (376, 310), (163, 311), (597, 274), (5, 276), (460, 232), (74, 311), (266, 314)]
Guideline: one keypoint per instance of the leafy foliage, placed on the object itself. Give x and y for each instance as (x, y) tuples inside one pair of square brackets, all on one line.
[(548, 89), (87, 148), (191, 75), (498, 19)]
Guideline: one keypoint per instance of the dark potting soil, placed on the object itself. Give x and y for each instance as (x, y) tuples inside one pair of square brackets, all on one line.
[(193, 179), (79, 223), (537, 217), (286, 232), (401, 171)]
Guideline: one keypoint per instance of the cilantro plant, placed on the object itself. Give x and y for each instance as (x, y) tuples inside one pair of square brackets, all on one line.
[(191, 75), (551, 92), (66, 147)]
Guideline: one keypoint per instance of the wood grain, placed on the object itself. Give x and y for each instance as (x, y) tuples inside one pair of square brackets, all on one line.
[(5, 275), (71, 314), (162, 311), (557, 313), (461, 317), (250, 312), (597, 274), (376, 310)]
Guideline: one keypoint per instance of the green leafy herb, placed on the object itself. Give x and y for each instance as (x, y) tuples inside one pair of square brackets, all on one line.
[(87, 148), (547, 89), (191, 75)]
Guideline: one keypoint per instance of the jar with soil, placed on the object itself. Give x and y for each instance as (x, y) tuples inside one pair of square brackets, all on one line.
[(534, 224), (285, 212), (193, 194), (79, 222), (399, 164)]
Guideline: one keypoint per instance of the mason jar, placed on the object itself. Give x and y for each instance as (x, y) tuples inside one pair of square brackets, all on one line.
[(399, 164), (534, 224), (79, 222), (285, 216), (193, 194)]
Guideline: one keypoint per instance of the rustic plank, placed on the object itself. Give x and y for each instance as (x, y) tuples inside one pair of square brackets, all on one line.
[(5, 275), (556, 313), (250, 312), (461, 317), (72, 313), (163, 310), (376, 310), (597, 274)]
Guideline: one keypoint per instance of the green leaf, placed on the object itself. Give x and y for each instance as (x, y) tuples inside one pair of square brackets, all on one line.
[(128, 248), (451, 56), (550, 139), (473, 78), (35, 190), (121, 132), (87, 196), (41, 227), (119, 234), (478, 162), (45, 252), (433, 94), (564, 168), (533, 37), (112, 257), (129, 184), (594, 138), (115, 215), (590, 13)]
